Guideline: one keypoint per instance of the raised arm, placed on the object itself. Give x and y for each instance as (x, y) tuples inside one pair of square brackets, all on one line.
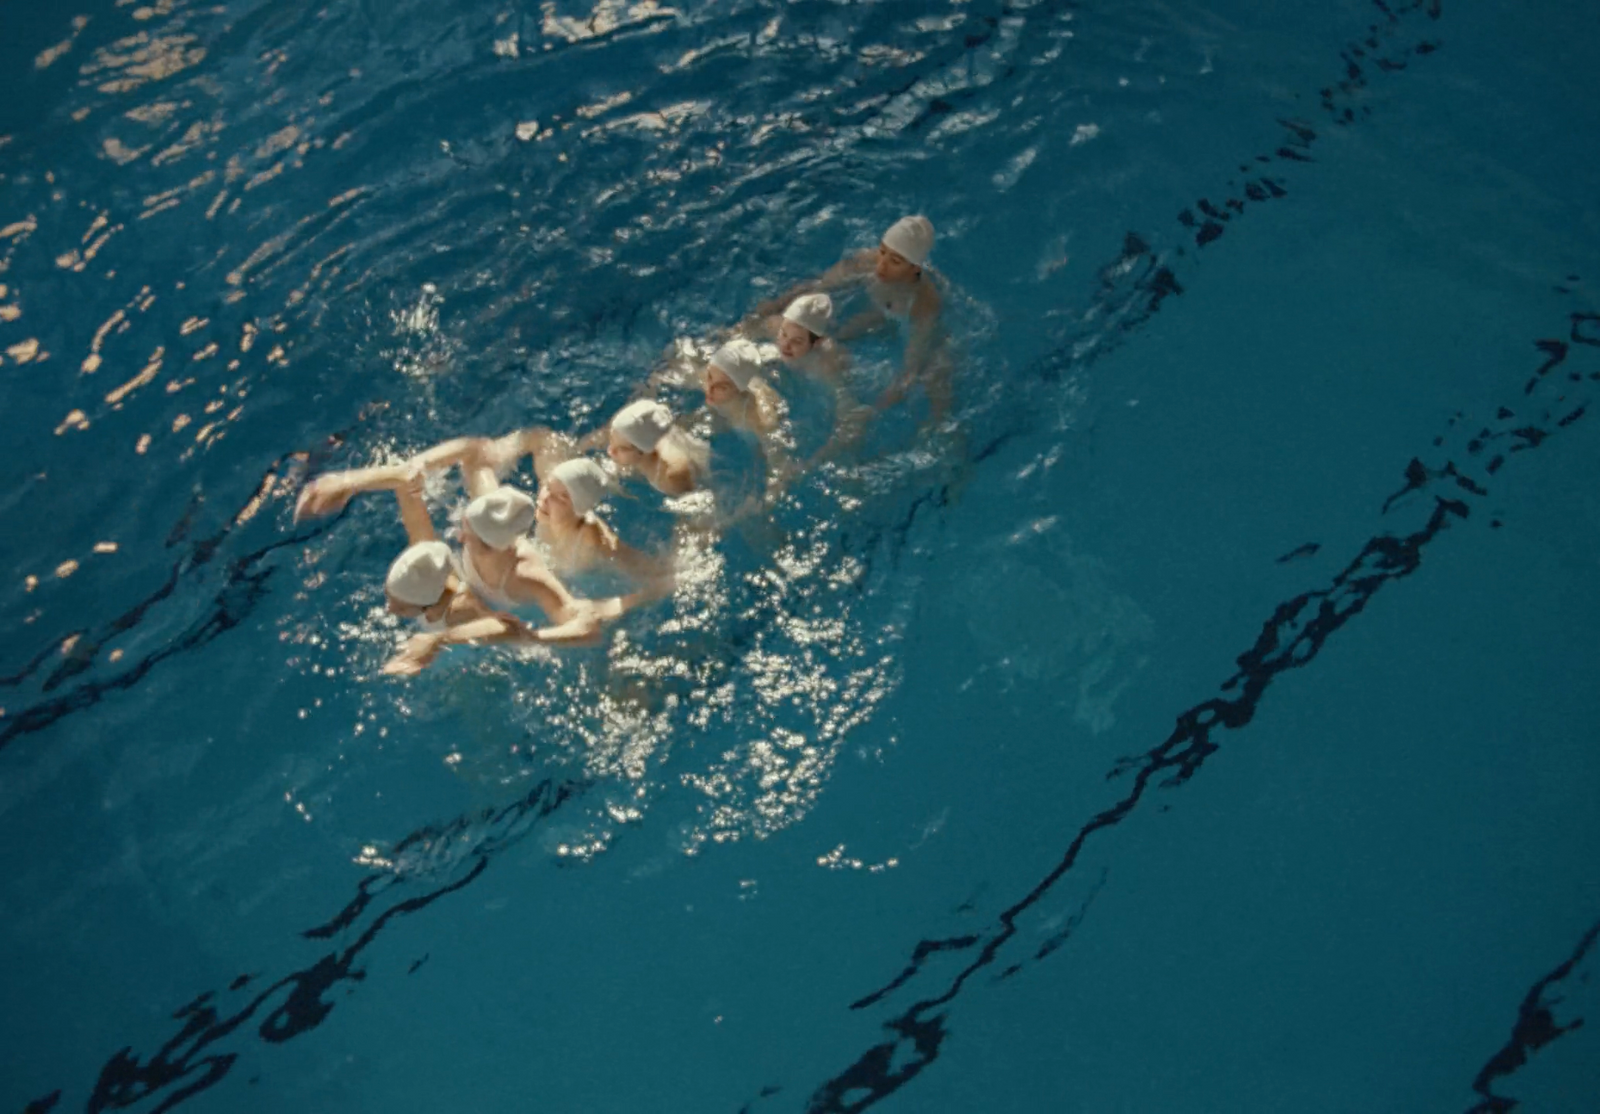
[(414, 514), (475, 456), (547, 448)]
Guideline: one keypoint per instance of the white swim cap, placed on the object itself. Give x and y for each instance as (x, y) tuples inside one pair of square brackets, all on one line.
[(739, 360), (500, 517), (584, 481), (912, 237), (418, 575), (643, 423), (812, 312)]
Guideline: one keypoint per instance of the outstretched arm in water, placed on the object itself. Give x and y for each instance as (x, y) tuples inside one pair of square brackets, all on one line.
[(330, 492), (579, 623), (420, 649), (847, 272)]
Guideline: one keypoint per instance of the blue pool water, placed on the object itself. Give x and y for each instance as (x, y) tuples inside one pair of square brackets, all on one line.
[(1209, 727)]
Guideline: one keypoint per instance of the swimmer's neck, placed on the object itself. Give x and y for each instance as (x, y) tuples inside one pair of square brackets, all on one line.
[(738, 413)]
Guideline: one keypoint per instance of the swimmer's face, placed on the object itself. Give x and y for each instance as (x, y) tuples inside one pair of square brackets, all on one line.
[(623, 451), (720, 390), (554, 504), (894, 267), (794, 340)]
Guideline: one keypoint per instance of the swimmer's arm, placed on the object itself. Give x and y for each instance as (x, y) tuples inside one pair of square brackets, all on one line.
[(924, 337), (769, 408), (464, 451), (867, 321), (596, 439), (757, 325), (835, 363), (539, 585), (547, 448), (329, 492), (781, 466), (494, 627), (654, 575), (498, 454), (586, 617), (850, 419), (473, 456), (846, 272), (414, 514), (420, 649)]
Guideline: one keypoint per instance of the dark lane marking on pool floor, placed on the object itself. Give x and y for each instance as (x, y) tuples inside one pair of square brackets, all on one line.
[(191, 1062), (1535, 1027), (1307, 550), (1291, 638)]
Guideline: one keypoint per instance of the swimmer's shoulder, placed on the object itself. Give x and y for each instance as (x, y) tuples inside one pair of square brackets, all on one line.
[(464, 607), (676, 476), (596, 538)]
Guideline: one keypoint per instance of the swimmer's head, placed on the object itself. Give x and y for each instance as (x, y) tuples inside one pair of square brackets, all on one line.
[(720, 389), (904, 249), (808, 319), (499, 518), (572, 490), (636, 431), (730, 370), (418, 578)]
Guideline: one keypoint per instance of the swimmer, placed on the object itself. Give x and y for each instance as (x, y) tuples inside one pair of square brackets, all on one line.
[(903, 297), (736, 393), (577, 539), (424, 582), (735, 390), (803, 333), (805, 344), (644, 438)]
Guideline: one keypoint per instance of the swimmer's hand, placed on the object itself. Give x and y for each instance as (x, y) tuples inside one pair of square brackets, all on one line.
[(325, 495), (581, 627), (415, 656)]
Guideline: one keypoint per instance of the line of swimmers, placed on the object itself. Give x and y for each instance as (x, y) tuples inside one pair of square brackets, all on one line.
[(518, 550)]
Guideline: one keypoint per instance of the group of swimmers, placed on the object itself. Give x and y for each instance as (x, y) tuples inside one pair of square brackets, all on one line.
[(518, 552)]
